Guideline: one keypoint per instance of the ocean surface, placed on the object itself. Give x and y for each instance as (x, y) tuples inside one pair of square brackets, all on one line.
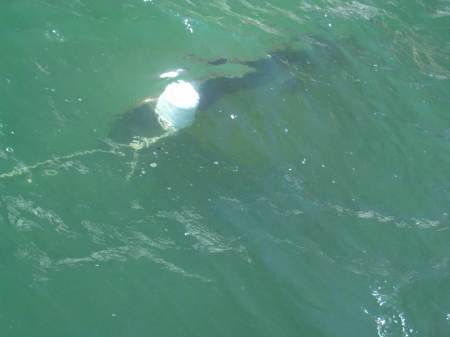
[(310, 197)]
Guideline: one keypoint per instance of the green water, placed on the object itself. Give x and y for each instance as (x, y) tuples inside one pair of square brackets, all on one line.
[(314, 204)]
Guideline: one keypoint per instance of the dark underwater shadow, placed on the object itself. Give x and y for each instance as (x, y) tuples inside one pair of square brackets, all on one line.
[(140, 121), (287, 68), (287, 65)]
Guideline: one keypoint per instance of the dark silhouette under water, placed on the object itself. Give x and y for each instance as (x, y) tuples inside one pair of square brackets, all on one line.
[(142, 120)]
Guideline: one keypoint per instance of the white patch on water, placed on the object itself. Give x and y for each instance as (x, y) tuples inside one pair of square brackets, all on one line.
[(135, 205), (95, 232), (19, 209), (119, 242), (207, 240), (172, 74), (412, 222), (390, 320), (349, 10)]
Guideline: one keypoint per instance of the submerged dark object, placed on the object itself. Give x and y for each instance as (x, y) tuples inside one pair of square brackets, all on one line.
[(139, 121), (286, 65), (262, 71), (142, 121)]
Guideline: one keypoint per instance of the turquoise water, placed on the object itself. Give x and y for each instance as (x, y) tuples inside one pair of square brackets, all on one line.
[(313, 203)]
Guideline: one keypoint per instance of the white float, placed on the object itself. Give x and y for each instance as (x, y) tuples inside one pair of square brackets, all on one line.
[(177, 106)]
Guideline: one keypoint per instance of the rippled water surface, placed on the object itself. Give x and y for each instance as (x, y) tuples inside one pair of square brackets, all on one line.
[(310, 196)]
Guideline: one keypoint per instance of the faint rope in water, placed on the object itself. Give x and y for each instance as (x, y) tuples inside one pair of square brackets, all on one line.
[(136, 145), (140, 143), (23, 169)]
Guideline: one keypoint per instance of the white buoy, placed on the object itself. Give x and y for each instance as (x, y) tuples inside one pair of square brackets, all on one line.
[(177, 105)]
